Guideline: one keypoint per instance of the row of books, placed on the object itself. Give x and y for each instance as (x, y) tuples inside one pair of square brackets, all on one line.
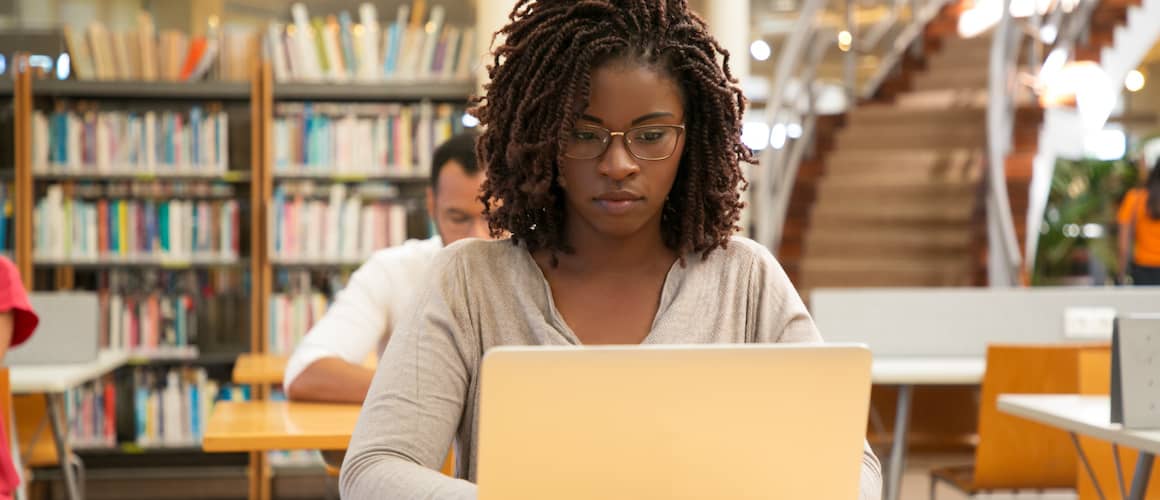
[(146, 54), (171, 406), (300, 301), (151, 407), (7, 201), (103, 141), (335, 48), (81, 229), (343, 225), (161, 311), (154, 189), (91, 413), (361, 138)]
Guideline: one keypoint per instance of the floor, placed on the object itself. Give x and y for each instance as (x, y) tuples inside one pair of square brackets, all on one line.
[(916, 481)]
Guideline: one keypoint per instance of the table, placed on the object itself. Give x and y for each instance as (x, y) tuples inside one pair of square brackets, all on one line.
[(1090, 416), (53, 381), (247, 426), (259, 369), (907, 373), (279, 425)]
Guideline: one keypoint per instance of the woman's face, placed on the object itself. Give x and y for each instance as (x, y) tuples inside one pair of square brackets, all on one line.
[(632, 109)]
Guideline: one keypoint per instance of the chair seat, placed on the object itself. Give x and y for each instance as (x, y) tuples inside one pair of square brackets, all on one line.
[(962, 477)]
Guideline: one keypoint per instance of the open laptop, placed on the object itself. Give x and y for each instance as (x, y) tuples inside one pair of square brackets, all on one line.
[(67, 332), (673, 422)]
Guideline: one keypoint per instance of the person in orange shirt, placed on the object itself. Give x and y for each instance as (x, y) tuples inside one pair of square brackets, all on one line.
[(1139, 219)]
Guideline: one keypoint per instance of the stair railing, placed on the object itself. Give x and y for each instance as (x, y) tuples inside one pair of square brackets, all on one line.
[(1006, 83), (797, 111)]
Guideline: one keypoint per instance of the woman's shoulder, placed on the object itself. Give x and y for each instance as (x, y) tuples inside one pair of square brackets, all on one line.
[(741, 251), (478, 256)]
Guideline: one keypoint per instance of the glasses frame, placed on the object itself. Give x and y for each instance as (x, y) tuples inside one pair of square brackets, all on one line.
[(627, 142)]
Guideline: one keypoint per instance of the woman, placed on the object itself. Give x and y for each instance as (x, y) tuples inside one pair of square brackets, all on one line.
[(612, 143), (1139, 220)]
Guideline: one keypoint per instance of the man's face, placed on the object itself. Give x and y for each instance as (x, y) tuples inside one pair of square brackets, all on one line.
[(454, 204)]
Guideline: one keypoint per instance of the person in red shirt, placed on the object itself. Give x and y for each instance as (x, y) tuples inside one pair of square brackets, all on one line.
[(17, 322)]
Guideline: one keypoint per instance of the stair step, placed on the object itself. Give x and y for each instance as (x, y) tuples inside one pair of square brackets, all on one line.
[(967, 79), (838, 186), (909, 136), (878, 114), (942, 99), (892, 211), (943, 237), (912, 244), (942, 61), (902, 159)]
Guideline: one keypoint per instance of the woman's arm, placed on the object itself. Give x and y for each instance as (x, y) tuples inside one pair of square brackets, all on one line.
[(416, 400)]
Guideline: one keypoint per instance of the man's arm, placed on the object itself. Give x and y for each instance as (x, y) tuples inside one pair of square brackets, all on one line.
[(331, 380), (326, 365)]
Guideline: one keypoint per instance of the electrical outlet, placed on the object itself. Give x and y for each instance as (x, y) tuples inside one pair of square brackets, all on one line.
[(1089, 322)]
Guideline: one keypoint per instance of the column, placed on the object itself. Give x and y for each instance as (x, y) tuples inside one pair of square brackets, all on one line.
[(490, 16)]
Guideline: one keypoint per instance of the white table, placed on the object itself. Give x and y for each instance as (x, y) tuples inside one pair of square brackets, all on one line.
[(1089, 416), (53, 381), (907, 373)]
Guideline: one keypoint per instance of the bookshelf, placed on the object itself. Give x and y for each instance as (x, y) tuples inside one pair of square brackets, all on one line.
[(413, 109), (387, 91), (199, 91)]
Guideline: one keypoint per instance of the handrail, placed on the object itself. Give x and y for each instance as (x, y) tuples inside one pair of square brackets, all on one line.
[(1006, 261), (800, 55)]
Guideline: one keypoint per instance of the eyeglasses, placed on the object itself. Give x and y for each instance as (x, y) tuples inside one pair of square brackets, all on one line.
[(646, 142)]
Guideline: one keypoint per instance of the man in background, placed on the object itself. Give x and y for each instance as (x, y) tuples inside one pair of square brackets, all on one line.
[(328, 364)]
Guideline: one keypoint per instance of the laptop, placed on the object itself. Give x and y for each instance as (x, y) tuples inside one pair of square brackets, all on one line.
[(67, 332), (673, 422)]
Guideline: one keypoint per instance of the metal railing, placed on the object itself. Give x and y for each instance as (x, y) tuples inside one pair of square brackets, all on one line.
[(887, 40), (1006, 82)]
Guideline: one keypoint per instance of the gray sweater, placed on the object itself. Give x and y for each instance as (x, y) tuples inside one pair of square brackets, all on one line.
[(485, 294)]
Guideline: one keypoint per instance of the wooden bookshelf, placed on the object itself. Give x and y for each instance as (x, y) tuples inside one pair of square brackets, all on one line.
[(387, 91), (193, 91), (147, 261), (53, 173), (252, 103), (349, 176)]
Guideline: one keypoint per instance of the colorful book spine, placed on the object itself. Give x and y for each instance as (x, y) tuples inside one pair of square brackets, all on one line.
[(130, 142), (329, 222), (93, 226), (387, 139)]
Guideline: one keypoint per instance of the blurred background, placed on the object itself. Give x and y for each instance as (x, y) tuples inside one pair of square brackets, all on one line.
[(902, 143)]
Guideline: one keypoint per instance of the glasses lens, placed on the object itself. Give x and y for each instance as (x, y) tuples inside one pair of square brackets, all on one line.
[(586, 143), (653, 143)]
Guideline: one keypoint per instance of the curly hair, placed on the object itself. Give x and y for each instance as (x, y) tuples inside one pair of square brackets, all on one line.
[(539, 86)]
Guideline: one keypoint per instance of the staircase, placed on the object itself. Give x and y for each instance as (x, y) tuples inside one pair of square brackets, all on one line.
[(896, 198)]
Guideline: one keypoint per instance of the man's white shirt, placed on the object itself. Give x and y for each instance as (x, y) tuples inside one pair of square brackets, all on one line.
[(377, 298)]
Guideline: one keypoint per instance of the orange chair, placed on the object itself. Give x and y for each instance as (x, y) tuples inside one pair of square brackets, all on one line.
[(1014, 453)]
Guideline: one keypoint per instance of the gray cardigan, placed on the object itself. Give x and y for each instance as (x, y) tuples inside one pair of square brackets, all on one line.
[(490, 293)]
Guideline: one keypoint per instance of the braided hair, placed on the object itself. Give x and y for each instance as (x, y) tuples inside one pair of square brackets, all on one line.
[(539, 87)]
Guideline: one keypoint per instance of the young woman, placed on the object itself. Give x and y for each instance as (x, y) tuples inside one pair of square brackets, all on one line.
[(612, 144), (1139, 219)]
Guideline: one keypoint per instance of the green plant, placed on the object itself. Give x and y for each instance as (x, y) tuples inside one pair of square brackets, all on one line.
[(1080, 218)]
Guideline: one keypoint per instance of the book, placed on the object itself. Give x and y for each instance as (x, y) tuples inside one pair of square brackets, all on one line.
[(329, 222), (417, 45), (367, 139), (139, 222), (98, 141)]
